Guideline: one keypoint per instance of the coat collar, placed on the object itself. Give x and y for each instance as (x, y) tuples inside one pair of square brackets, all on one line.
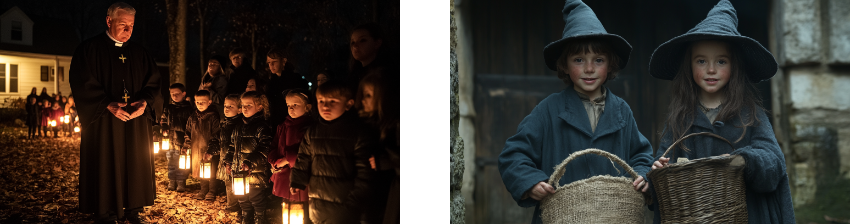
[(575, 115)]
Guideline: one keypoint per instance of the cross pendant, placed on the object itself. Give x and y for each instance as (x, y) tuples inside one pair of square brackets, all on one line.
[(122, 58), (126, 97)]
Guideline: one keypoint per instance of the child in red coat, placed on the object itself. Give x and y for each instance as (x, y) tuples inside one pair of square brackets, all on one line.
[(286, 142)]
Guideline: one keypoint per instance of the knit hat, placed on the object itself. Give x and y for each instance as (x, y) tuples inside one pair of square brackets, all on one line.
[(720, 24), (581, 22)]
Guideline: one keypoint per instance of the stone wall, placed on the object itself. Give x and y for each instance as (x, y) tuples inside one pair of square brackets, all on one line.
[(811, 112), (456, 148)]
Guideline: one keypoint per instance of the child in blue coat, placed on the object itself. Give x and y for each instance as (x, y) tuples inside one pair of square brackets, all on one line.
[(584, 115), (713, 69)]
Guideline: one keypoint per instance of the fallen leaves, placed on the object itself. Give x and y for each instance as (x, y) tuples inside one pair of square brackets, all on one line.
[(39, 180)]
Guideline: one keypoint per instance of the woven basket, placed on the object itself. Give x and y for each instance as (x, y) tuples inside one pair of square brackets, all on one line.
[(598, 199), (705, 190)]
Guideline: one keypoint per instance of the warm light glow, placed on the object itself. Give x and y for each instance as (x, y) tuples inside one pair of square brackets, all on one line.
[(293, 213), (67, 119), (166, 144), (185, 162), (239, 186), (62, 119), (76, 129), (155, 147), (205, 170), (52, 123)]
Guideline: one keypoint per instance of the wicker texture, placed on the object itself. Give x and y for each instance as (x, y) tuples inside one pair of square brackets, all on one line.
[(705, 190), (599, 199)]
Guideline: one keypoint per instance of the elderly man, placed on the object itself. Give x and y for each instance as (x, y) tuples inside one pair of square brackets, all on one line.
[(114, 83)]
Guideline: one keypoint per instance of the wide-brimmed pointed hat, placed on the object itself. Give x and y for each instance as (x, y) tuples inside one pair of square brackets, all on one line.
[(581, 22), (720, 24)]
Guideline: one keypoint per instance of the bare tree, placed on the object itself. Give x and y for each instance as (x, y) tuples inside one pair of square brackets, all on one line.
[(176, 23)]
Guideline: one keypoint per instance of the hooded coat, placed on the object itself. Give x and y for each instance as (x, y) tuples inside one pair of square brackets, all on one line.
[(202, 131)]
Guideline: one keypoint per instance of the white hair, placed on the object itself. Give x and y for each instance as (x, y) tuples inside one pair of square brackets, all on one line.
[(113, 9)]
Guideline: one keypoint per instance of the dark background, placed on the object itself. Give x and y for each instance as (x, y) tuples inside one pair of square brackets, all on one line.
[(511, 77)]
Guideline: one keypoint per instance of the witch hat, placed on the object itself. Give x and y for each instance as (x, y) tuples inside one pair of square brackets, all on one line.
[(581, 22), (720, 24)]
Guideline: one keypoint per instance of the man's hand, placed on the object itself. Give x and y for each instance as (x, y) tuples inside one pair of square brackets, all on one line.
[(280, 163), (115, 109), (660, 163), (207, 157), (540, 191), (245, 167), (372, 162), (206, 85), (640, 185), (294, 190), (140, 108)]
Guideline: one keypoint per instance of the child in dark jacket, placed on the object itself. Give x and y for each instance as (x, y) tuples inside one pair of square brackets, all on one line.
[(173, 123), (333, 159), (232, 114), (714, 68), (202, 134), (252, 139), (286, 142), (374, 107), (585, 115), (33, 116)]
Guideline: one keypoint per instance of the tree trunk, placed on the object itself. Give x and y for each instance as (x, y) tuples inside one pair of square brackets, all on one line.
[(254, 49), (202, 19), (176, 26)]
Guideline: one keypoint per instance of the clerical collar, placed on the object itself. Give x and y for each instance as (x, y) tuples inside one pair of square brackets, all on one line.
[(117, 43)]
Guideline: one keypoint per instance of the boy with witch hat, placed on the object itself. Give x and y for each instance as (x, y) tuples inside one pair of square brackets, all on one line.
[(584, 115)]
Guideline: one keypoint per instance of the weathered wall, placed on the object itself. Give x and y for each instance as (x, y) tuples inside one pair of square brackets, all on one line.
[(811, 41), (456, 148), (466, 127)]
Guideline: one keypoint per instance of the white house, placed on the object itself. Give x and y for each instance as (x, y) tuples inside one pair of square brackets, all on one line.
[(34, 52)]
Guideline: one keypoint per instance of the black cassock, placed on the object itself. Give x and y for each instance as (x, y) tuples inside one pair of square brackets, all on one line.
[(116, 157)]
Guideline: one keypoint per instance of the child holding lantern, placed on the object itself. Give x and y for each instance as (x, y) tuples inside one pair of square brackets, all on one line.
[(232, 115), (249, 170), (202, 133), (173, 123), (286, 142)]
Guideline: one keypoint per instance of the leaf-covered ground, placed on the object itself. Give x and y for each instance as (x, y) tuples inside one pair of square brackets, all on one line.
[(38, 184)]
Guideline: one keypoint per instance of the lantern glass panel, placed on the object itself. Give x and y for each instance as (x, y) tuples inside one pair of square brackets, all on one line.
[(239, 186), (166, 144), (67, 118), (293, 213), (205, 171), (76, 129), (155, 147)]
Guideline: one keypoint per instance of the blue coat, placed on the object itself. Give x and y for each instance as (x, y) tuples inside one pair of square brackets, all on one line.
[(558, 126), (768, 192)]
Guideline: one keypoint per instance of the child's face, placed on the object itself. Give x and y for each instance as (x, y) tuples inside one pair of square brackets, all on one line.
[(213, 67), (330, 108), (363, 46), (177, 95), (296, 106), (231, 108), (321, 79), (711, 65), (249, 107), (202, 102), (588, 71), (252, 85), (276, 65), (368, 98), (236, 60)]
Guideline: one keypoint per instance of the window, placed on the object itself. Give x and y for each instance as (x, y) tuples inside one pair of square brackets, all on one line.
[(13, 78), (45, 73), (62, 73), (3, 78), (17, 31)]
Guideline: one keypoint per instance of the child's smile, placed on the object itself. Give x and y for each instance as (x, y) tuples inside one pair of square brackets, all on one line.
[(588, 71), (711, 67)]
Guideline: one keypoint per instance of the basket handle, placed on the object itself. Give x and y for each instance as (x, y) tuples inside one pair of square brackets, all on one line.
[(695, 134), (561, 168)]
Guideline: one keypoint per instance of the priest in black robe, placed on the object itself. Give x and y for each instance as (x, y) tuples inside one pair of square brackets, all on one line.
[(114, 84)]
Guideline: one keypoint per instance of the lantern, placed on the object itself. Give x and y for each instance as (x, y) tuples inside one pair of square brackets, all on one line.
[(62, 119), (206, 172), (67, 119), (166, 142), (293, 212), (52, 123), (155, 147), (185, 161), (77, 129), (240, 183)]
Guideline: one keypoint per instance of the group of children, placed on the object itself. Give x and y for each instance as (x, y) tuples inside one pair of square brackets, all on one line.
[(713, 69), (43, 110), (334, 147)]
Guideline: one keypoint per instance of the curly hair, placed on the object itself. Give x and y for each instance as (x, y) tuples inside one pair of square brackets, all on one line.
[(260, 99)]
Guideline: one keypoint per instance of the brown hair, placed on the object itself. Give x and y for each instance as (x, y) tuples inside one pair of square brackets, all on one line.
[(235, 98), (336, 88), (584, 46), (741, 96), (386, 99), (235, 51), (260, 99)]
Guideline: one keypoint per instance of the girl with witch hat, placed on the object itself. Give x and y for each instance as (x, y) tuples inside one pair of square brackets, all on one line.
[(584, 115), (713, 68)]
